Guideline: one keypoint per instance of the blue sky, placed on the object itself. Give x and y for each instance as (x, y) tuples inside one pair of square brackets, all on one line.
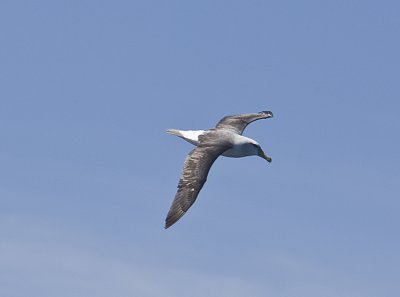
[(87, 173)]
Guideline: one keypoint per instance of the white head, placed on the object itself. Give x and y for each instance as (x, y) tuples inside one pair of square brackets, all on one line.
[(254, 148)]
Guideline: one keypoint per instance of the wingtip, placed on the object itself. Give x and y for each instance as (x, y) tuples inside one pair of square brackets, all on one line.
[(172, 218), (169, 221), (268, 113)]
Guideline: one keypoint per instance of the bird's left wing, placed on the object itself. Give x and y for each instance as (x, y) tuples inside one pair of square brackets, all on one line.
[(237, 123), (194, 174)]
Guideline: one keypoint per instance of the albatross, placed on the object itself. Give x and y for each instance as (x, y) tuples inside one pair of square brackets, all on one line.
[(224, 139)]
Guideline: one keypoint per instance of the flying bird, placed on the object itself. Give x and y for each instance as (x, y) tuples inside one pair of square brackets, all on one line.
[(224, 139)]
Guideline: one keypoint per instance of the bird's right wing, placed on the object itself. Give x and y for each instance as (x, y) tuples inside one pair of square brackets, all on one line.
[(237, 123), (194, 175)]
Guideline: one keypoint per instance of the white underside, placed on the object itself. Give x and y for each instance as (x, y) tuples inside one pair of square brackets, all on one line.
[(236, 152), (239, 150)]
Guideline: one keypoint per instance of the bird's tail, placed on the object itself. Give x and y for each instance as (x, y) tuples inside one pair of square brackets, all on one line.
[(174, 132)]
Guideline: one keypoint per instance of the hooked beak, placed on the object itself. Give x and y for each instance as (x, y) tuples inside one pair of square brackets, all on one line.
[(264, 156)]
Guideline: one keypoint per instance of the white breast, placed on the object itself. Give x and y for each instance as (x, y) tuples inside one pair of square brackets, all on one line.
[(243, 147)]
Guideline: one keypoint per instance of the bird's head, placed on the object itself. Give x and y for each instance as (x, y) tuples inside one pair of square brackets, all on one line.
[(263, 155), (259, 152)]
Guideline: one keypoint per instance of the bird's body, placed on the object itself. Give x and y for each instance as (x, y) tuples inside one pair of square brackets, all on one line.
[(240, 144), (225, 139)]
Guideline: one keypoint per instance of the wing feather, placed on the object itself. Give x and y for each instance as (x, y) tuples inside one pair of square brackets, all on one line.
[(237, 123), (194, 175)]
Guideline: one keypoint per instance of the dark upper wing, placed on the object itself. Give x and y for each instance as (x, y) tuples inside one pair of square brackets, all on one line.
[(194, 175), (237, 123)]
